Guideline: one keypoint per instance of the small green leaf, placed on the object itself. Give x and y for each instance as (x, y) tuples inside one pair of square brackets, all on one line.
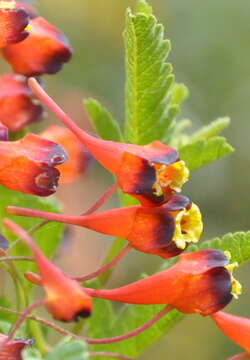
[(69, 350), (144, 7), (106, 127), (237, 243), (149, 108), (48, 237), (201, 152), (211, 130)]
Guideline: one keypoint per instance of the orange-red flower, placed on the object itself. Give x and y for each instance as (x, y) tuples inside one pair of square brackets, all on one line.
[(13, 23), (78, 157), (200, 282), (65, 299), (150, 172), (235, 328), (43, 52), (13, 348), (28, 165), (165, 231), (18, 108)]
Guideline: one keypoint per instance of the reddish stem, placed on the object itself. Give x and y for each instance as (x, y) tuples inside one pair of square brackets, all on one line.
[(46, 99), (131, 333), (107, 194), (105, 267), (109, 354), (20, 321)]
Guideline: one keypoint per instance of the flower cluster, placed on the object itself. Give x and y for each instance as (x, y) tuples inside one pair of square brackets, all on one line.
[(30, 165), (164, 222)]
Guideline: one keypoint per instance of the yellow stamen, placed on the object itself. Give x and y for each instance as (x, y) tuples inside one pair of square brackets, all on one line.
[(28, 28), (188, 227), (236, 285), (172, 176), (7, 4)]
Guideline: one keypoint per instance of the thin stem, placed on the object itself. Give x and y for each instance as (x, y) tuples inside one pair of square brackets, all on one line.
[(131, 333), (46, 99), (23, 317), (109, 354), (105, 267), (240, 356), (16, 258), (30, 231), (112, 253), (19, 322), (63, 331), (107, 194)]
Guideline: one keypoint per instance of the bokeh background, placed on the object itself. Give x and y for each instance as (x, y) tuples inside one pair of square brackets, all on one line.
[(210, 54)]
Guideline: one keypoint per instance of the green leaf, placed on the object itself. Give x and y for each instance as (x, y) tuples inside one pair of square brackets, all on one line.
[(149, 107), (131, 317), (237, 243), (31, 354), (106, 127), (101, 320), (211, 130), (48, 237), (144, 7), (69, 350), (202, 152)]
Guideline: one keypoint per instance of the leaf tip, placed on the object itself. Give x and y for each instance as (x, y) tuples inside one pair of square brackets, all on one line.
[(144, 8)]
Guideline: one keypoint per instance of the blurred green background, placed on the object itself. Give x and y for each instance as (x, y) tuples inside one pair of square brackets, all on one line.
[(211, 55)]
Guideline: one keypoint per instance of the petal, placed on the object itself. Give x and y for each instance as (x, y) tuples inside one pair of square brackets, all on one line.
[(177, 202), (18, 108), (235, 327), (50, 49), (200, 261), (136, 176), (27, 165), (152, 233), (206, 294), (12, 26)]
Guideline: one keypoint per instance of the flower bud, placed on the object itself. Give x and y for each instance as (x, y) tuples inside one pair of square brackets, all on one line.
[(13, 23), (43, 52), (28, 165), (18, 108)]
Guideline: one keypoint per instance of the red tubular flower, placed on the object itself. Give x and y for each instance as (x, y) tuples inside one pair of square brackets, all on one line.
[(199, 282), (43, 52), (165, 231), (65, 299), (78, 156), (13, 348), (13, 23), (235, 328), (28, 165), (18, 108), (150, 172)]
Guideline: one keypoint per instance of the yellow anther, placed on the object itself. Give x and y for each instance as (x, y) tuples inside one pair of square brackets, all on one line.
[(172, 176), (28, 28), (188, 227), (236, 285)]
